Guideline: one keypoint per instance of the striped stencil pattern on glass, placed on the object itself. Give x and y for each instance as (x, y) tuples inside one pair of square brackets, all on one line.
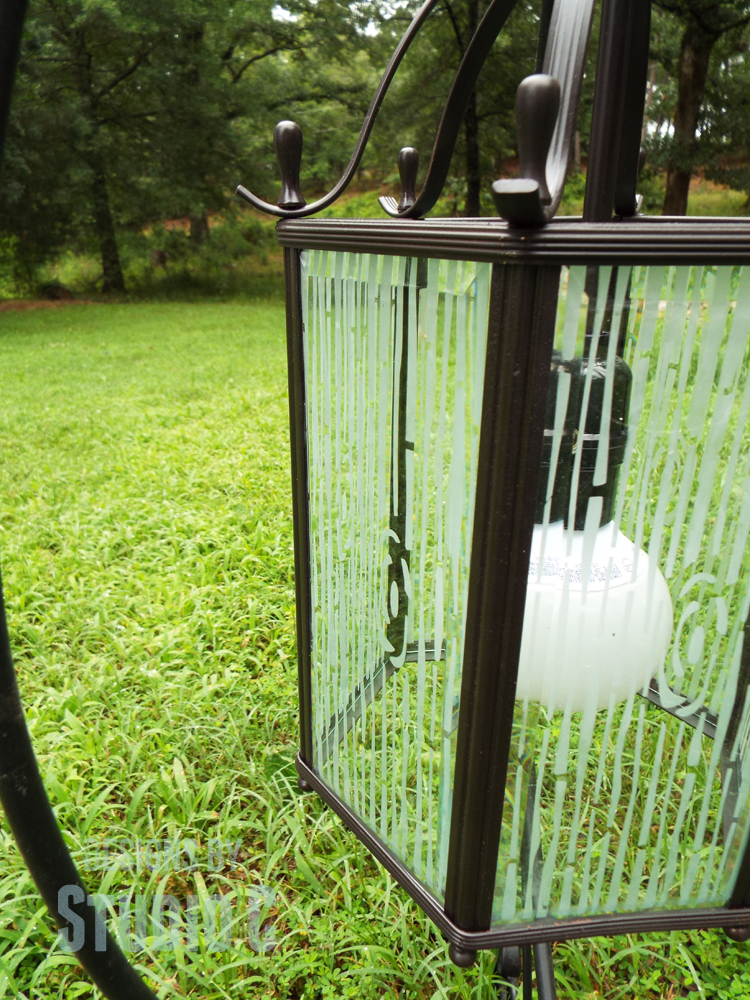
[(394, 370), (613, 803)]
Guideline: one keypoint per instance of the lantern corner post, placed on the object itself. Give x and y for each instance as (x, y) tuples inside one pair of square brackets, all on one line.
[(523, 303), (300, 498), (740, 898)]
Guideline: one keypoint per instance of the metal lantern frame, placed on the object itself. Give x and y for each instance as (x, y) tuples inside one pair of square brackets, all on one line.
[(527, 251), (523, 292)]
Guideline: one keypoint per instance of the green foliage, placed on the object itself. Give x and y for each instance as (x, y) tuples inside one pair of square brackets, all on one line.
[(128, 114), (146, 543), (239, 256), (697, 105)]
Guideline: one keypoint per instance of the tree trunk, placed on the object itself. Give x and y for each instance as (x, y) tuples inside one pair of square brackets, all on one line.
[(105, 229), (695, 54), (471, 129), (199, 229)]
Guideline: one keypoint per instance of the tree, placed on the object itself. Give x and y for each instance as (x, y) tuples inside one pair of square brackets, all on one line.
[(130, 112), (726, 118), (704, 23)]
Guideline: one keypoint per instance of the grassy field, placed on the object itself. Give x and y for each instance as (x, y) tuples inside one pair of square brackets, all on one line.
[(146, 543)]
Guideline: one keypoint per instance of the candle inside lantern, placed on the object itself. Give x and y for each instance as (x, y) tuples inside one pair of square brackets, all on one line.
[(599, 617)]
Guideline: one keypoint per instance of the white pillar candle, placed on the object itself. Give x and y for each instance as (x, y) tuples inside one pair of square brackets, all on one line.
[(598, 618)]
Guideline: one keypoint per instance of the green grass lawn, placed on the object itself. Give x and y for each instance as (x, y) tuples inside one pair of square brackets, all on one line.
[(146, 543)]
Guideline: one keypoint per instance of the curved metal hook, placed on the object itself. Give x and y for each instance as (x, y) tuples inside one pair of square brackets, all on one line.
[(364, 133), (453, 114), (521, 200)]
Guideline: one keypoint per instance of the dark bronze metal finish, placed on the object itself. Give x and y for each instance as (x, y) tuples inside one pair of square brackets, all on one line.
[(537, 105), (41, 842), (462, 957), (626, 201), (527, 990), (523, 303), (408, 165), (709, 720), (287, 143), (547, 114), (534, 932), (517, 200), (300, 500), (740, 898), (564, 59), (522, 202), (545, 972), (474, 59), (607, 116), (567, 240), (12, 14)]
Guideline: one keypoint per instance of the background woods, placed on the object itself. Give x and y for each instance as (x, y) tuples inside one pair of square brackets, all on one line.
[(129, 115)]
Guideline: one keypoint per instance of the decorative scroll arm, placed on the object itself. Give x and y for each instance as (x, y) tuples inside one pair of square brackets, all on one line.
[(474, 59), (534, 197), (283, 137)]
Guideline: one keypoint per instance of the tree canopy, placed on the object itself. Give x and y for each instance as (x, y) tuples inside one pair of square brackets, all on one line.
[(128, 113)]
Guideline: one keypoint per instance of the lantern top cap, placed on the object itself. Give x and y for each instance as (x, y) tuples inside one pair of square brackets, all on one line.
[(568, 240)]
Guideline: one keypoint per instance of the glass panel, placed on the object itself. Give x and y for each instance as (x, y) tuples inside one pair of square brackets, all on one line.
[(394, 362), (629, 782)]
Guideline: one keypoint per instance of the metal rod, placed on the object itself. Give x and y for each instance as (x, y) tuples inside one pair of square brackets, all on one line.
[(362, 697), (741, 892), (625, 199), (508, 970), (523, 304), (692, 716), (400, 555), (606, 118), (41, 843), (740, 898), (300, 500), (528, 991), (545, 971), (12, 14)]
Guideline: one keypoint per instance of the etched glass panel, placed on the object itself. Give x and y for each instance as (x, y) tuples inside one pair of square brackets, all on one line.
[(629, 781), (394, 370)]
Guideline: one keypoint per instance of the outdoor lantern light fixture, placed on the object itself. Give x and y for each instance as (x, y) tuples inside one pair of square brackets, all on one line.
[(521, 473), (521, 464)]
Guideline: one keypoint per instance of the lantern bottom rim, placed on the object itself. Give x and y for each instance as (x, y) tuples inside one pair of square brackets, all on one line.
[(530, 932)]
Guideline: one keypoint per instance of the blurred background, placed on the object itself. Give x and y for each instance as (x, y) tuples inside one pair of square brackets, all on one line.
[(133, 122)]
